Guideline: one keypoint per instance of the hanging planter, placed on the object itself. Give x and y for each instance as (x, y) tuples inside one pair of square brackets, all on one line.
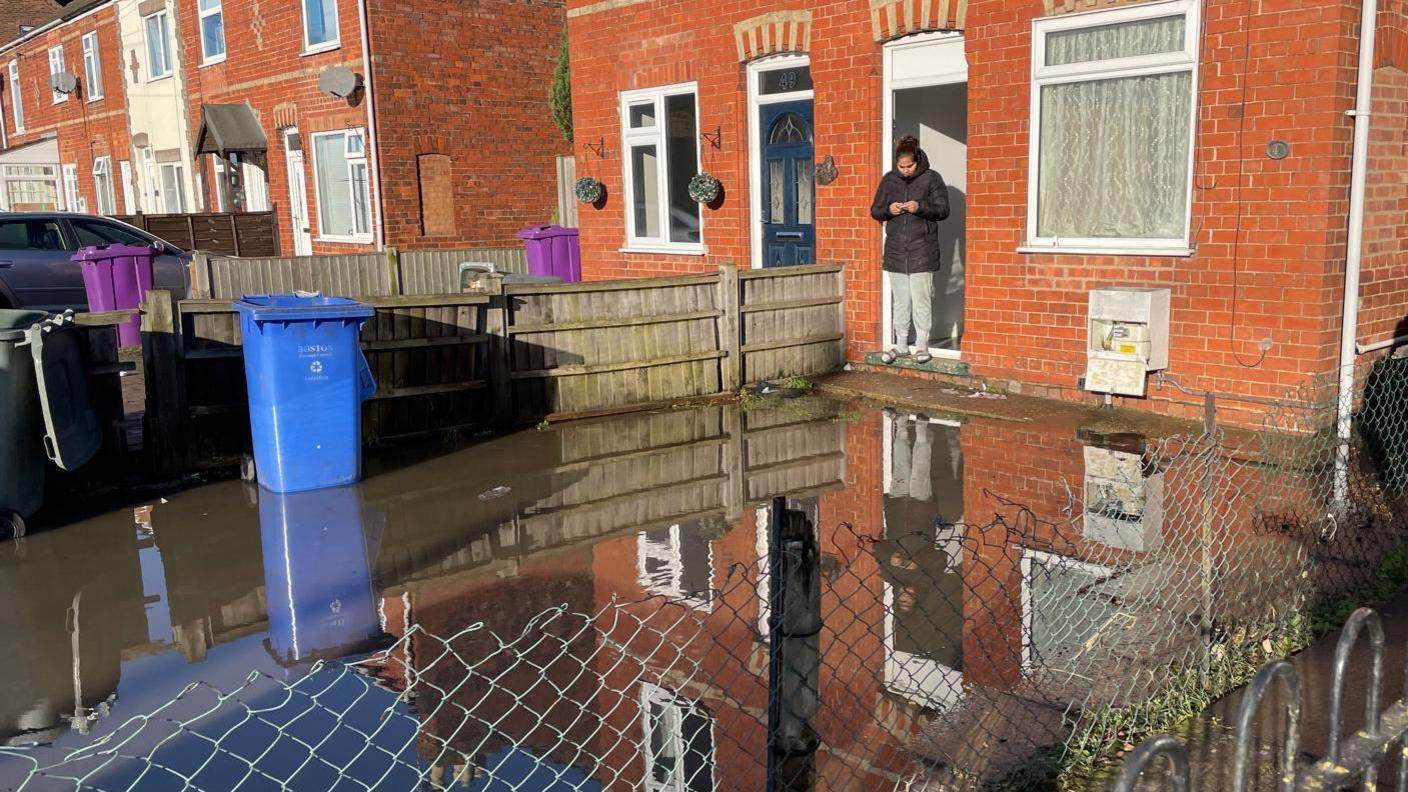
[(589, 190), (704, 188)]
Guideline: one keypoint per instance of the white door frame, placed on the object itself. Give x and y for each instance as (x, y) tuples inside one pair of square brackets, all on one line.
[(297, 199), (888, 87), (755, 149)]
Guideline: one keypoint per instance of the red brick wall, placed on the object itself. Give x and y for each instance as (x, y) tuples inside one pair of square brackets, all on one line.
[(265, 66), (85, 130), (1273, 272), (468, 80), (1384, 268)]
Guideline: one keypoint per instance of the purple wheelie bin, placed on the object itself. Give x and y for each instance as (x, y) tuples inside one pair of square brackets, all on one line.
[(117, 277), (553, 250)]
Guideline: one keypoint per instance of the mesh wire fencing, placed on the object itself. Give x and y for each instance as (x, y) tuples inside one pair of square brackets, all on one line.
[(955, 655)]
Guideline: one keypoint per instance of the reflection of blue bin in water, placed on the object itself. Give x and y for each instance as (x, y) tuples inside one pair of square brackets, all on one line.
[(307, 379), (318, 557)]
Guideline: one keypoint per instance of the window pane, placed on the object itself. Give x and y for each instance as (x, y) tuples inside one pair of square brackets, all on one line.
[(320, 21), (645, 190), (642, 116), (212, 35), (1122, 40), (776, 192), (31, 235), (93, 232), (337, 214), (158, 46), (790, 128), (361, 209), (209, 5), (804, 191), (681, 147), (1114, 158), (173, 192), (16, 100), (785, 80)]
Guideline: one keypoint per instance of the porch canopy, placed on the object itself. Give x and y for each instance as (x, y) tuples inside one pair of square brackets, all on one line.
[(229, 127)]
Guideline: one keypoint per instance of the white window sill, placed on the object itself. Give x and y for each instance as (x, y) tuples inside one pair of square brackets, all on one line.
[(92, 99), (367, 240), (159, 78), (321, 48), (1182, 252), (666, 250), (218, 59)]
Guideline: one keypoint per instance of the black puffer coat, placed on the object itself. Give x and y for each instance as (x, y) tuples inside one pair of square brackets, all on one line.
[(912, 240)]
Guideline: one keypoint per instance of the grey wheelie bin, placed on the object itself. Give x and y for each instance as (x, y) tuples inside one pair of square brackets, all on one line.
[(22, 459)]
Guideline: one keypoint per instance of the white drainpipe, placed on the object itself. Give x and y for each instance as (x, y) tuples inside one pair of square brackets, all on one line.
[(378, 227), (1359, 167)]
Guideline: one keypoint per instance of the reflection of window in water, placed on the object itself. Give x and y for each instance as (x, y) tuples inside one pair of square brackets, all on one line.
[(679, 742), (1064, 604), (1123, 500), (921, 559), (677, 562)]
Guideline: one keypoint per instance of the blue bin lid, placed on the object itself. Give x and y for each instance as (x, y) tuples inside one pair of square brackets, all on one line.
[(545, 232), (299, 307)]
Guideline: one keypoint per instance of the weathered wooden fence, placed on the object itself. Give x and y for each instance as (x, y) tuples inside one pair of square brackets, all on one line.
[(514, 355), (386, 274), (218, 233)]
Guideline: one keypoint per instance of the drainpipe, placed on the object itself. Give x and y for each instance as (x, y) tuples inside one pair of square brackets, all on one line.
[(1359, 167), (379, 228)]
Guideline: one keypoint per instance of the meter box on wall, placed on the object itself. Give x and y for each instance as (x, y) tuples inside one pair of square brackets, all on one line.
[(1128, 338)]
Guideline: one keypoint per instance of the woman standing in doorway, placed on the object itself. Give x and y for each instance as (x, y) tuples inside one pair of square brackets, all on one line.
[(911, 201)]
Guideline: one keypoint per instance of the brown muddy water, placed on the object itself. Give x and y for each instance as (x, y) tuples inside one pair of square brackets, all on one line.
[(594, 606)]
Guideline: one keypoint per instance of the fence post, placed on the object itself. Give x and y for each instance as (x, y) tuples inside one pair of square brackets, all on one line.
[(730, 320), (498, 318), (191, 228), (200, 275), (393, 269), (234, 232), (167, 438), (1210, 439)]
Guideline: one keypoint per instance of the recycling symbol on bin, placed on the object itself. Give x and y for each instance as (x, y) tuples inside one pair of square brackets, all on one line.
[(335, 606), (316, 367)]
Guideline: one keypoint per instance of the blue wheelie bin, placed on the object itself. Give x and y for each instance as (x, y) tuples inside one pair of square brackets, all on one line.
[(307, 380)]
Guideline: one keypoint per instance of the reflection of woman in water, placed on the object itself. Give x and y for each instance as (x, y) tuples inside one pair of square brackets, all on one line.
[(928, 596)]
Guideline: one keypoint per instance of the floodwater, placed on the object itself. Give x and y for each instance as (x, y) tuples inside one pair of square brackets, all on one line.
[(614, 604)]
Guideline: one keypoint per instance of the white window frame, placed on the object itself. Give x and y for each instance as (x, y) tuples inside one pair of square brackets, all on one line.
[(331, 44), (92, 68), (179, 179), (675, 706), (73, 196), (1047, 559), (16, 96), (164, 22), (102, 167), (56, 66), (1185, 60), (128, 202), (352, 160), (219, 10), (656, 135), (671, 554)]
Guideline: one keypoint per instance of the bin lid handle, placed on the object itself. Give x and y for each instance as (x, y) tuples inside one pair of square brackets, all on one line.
[(480, 266), (305, 294)]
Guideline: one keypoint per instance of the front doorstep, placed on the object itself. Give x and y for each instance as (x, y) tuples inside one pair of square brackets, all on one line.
[(956, 368)]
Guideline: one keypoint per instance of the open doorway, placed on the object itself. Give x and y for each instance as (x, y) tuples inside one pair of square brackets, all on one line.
[(926, 92)]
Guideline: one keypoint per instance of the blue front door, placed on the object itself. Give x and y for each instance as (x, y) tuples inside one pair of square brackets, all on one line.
[(789, 229)]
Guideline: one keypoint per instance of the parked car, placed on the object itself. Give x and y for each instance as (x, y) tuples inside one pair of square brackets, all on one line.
[(35, 251)]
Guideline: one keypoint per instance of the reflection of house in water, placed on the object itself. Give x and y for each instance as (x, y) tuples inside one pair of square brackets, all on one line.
[(67, 633)]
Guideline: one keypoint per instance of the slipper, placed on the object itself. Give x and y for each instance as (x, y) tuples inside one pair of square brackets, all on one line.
[(888, 357), (923, 357)]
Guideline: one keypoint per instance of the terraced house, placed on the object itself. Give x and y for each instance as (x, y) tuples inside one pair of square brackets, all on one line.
[(1136, 187), (355, 133)]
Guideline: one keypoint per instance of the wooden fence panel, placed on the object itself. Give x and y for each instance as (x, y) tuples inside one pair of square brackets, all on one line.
[(438, 271), (583, 347), (353, 274), (216, 233), (566, 198), (792, 321)]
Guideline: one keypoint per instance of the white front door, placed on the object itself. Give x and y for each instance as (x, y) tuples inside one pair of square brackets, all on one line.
[(298, 196)]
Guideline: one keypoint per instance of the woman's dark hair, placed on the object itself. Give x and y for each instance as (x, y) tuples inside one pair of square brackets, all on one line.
[(908, 146)]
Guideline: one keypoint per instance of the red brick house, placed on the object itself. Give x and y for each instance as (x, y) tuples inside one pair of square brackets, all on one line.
[(1199, 147), (59, 149), (382, 121)]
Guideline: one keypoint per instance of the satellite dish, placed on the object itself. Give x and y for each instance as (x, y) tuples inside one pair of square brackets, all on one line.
[(339, 81), (63, 82)]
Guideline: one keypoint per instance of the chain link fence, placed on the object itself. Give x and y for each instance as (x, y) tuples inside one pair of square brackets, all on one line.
[(1014, 652)]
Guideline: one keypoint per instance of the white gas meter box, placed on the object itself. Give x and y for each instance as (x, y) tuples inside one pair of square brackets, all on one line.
[(1128, 338)]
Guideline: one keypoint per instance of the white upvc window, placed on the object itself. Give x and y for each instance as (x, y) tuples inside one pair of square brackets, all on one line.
[(173, 187), (340, 180), (129, 203), (212, 31), (157, 29), (92, 68), (56, 66), (677, 742), (660, 152), (1113, 112), (16, 96), (73, 199), (320, 26), (103, 186)]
